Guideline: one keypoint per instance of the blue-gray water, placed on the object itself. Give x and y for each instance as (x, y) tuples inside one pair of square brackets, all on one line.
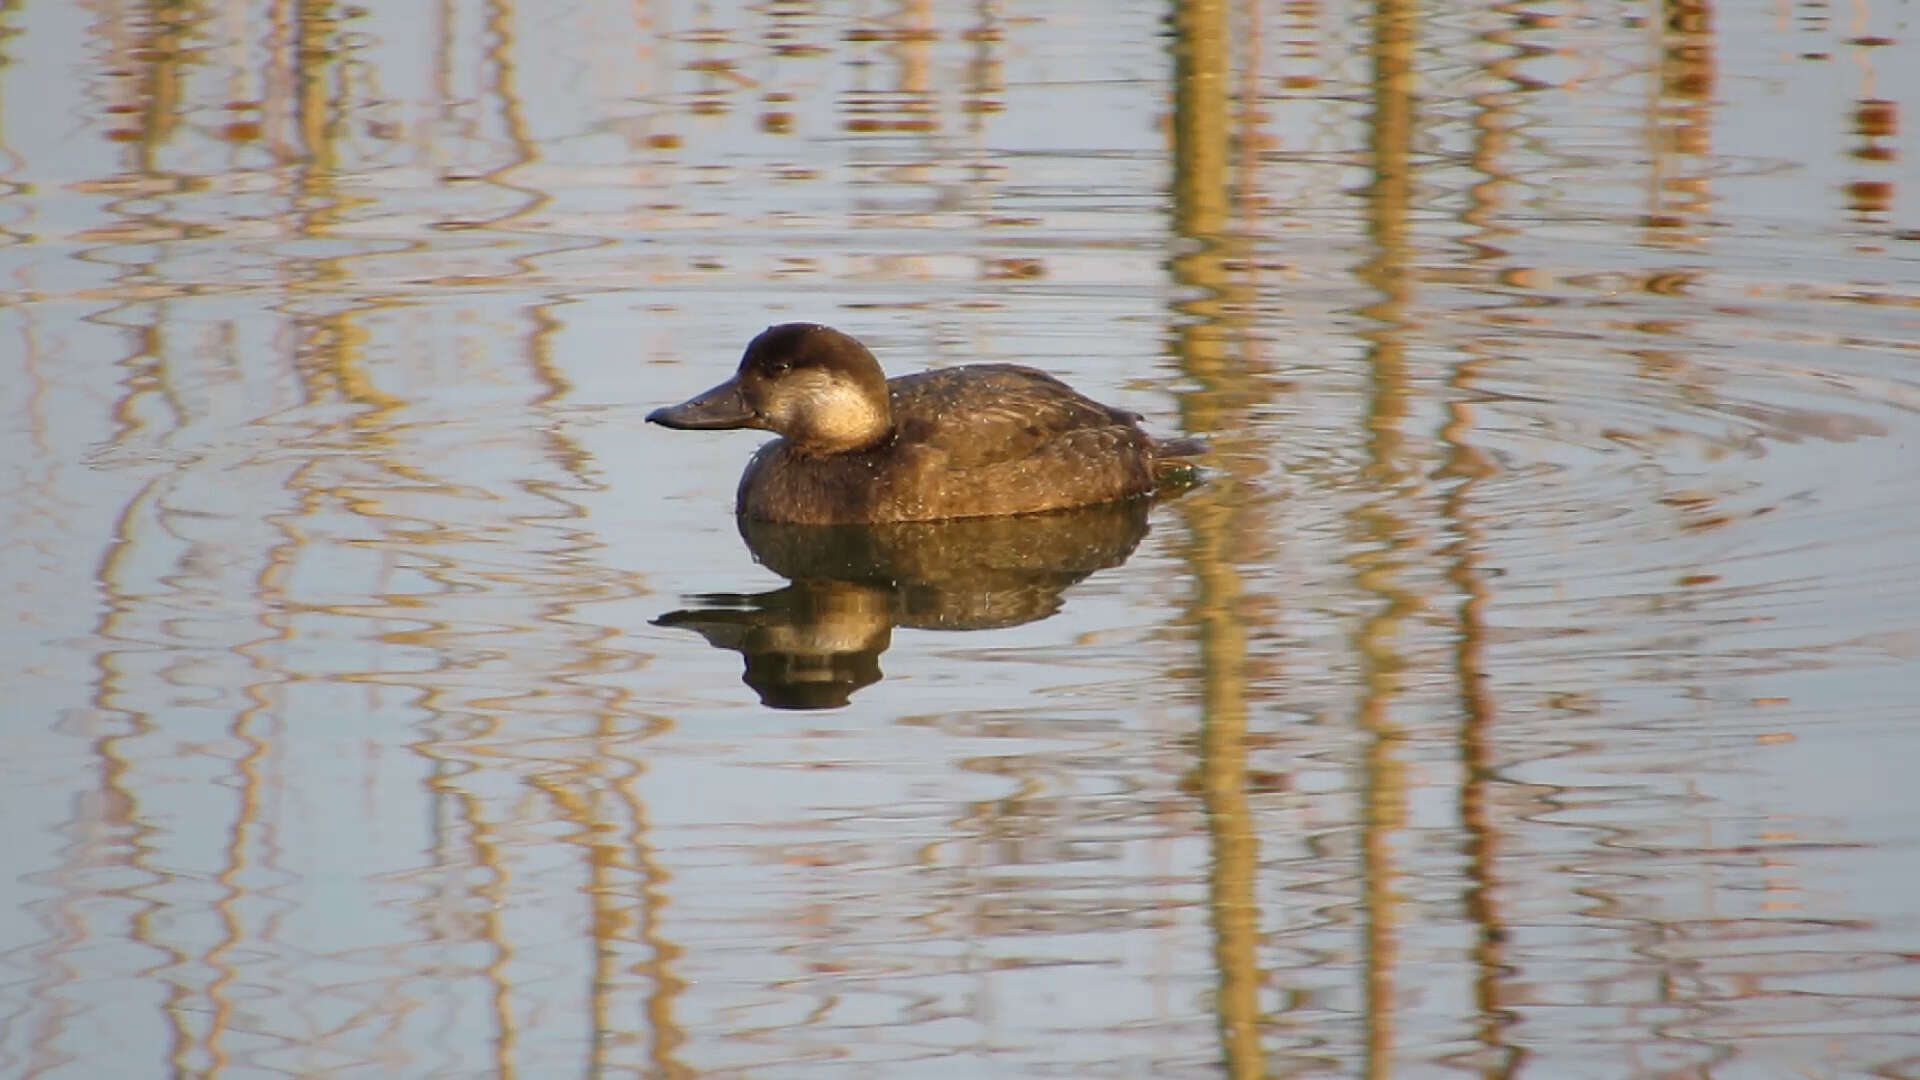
[(1530, 692)]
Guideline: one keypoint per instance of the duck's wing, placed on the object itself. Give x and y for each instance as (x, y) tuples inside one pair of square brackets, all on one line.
[(988, 413)]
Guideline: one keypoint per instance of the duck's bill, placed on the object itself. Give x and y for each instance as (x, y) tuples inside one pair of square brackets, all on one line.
[(721, 407)]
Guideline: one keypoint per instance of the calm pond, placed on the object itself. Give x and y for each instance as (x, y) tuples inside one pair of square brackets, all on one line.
[(1531, 689)]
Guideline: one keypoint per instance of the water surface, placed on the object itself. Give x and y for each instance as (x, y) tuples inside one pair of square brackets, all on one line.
[(1529, 692)]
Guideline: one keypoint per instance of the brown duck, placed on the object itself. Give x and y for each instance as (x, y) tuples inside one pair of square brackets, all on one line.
[(974, 441)]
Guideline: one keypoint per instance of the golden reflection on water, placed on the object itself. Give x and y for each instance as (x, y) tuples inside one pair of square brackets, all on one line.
[(1202, 122), (1480, 786), (1392, 476), (1530, 651)]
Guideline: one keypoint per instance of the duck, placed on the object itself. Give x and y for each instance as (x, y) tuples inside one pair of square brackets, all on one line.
[(977, 440)]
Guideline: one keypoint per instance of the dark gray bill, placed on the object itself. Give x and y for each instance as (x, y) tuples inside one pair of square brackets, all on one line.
[(720, 407)]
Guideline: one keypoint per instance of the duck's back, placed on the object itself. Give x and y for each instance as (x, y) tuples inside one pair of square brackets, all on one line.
[(986, 414), (968, 442)]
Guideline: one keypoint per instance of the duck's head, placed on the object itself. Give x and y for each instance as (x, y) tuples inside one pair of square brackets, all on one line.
[(814, 385)]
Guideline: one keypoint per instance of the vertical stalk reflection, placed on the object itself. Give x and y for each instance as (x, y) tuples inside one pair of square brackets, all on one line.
[(1384, 774), (1201, 183)]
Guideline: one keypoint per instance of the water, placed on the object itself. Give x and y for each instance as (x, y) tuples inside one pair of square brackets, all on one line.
[(1528, 692)]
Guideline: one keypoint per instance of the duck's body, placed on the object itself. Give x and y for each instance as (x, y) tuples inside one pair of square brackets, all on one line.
[(967, 442), (974, 441)]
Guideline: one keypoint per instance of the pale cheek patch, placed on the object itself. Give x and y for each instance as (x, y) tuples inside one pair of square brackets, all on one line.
[(823, 407), (798, 394)]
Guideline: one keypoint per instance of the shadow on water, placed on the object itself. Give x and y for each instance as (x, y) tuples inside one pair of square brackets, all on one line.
[(816, 642)]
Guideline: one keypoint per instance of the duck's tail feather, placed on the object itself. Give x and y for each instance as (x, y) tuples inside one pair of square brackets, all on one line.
[(1182, 447), (1174, 471)]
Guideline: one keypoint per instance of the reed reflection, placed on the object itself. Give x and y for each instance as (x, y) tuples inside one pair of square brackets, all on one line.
[(1212, 348), (816, 642)]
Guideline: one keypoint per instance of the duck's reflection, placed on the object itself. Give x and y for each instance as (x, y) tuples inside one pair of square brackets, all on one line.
[(812, 644)]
